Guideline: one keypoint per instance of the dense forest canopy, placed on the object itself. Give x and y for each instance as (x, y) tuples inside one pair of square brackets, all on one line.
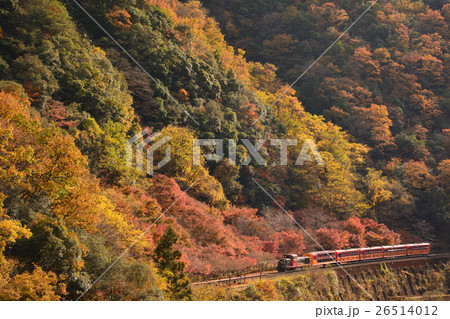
[(376, 105), (385, 82)]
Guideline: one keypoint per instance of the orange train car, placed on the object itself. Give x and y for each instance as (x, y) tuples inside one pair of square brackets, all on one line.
[(321, 257), (348, 255), (371, 253), (419, 249), (395, 251)]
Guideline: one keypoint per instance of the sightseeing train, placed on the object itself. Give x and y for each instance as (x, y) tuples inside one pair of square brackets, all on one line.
[(292, 261)]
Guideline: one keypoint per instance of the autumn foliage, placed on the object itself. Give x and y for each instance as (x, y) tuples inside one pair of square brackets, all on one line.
[(375, 105)]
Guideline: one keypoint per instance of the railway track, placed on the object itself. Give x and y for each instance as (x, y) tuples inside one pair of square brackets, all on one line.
[(245, 279)]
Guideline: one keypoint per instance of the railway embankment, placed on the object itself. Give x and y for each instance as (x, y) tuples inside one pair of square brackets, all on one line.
[(424, 279)]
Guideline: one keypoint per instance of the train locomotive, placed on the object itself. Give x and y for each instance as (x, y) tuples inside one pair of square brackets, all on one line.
[(321, 258)]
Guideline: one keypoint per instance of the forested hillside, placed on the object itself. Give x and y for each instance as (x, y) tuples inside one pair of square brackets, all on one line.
[(70, 98), (385, 82)]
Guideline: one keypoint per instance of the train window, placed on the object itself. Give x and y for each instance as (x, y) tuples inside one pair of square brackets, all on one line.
[(371, 252), (396, 249)]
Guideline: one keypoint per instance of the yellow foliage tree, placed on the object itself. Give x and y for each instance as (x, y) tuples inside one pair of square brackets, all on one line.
[(182, 168), (377, 187), (38, 285)]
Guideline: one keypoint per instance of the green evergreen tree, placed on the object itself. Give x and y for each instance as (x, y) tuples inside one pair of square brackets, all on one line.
[(169, 266)]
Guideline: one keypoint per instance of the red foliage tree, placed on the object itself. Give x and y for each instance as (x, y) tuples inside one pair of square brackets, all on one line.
[(354, 226), (355, 241), (270, 246), (378, 234), (329, 238), (58, 112), (167, 191), (290, 242)]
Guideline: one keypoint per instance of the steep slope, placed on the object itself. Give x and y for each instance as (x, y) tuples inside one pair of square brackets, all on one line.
[(385, 82), (70, 99)]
